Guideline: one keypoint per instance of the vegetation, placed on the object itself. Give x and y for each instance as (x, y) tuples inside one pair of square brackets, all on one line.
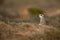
[(30, 31), (36, 11), (12, 29)]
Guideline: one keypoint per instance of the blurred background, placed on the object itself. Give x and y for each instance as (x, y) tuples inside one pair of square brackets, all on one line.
[(17, 22), (17, 10)]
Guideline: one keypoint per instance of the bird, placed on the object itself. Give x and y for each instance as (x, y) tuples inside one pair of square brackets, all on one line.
[(42, 19)]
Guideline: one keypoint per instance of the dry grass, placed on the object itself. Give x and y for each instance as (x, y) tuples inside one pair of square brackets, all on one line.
[(28, 31)]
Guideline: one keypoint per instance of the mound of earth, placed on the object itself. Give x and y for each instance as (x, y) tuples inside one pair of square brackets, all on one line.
[(28, 31)]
